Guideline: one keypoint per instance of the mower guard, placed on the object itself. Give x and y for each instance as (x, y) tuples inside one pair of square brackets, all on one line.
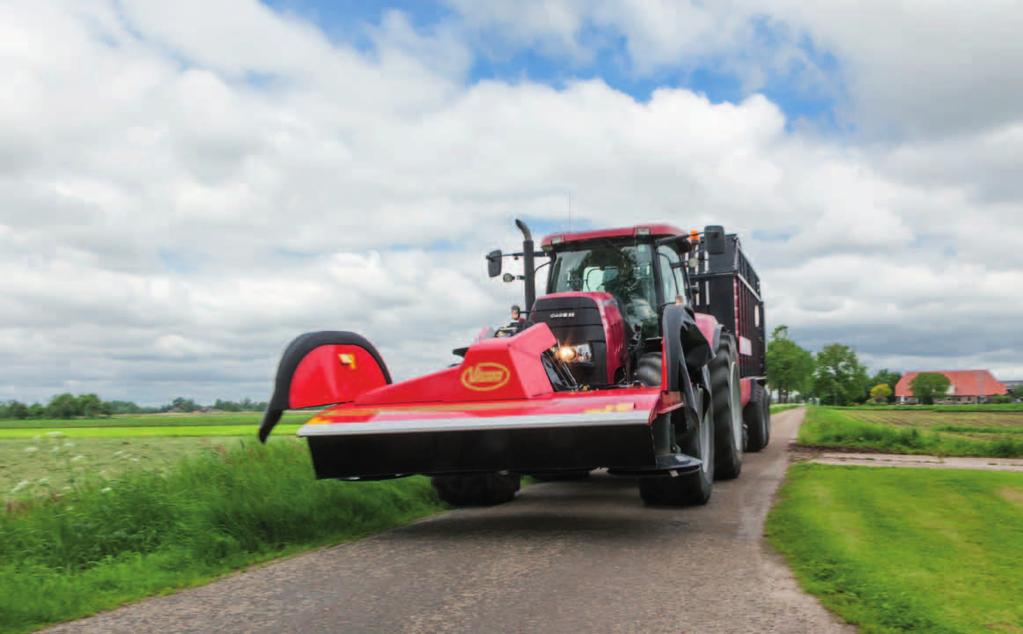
[(497, 410), (575, 431)]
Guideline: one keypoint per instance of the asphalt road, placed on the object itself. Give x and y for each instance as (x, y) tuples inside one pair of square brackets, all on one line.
[(563, 557)]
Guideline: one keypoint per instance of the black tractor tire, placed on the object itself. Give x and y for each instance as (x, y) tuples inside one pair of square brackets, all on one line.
[(757, 416), (648, 369), (726, 394), (686, 489), (559, 476), (476, 489)]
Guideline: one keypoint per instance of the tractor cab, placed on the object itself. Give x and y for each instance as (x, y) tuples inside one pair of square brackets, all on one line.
[(605, 295)]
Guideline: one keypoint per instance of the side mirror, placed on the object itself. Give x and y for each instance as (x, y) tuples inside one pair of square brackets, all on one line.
[(494, 263), (714, 237)]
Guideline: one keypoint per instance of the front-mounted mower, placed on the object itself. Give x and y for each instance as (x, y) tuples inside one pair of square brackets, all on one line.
[(645, 356)]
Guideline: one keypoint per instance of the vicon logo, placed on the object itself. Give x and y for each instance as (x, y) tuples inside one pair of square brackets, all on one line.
[(485, 376)]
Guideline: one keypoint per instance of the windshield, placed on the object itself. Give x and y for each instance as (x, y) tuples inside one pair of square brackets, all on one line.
[(624, 271)]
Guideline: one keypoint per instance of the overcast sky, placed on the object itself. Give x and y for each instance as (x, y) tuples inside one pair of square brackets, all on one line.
[(186, 186)]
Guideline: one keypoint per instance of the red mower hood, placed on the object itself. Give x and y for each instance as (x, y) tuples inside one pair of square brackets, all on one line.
[(503, 368)]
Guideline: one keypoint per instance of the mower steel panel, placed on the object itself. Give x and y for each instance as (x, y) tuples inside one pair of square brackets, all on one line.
[(463, 423)]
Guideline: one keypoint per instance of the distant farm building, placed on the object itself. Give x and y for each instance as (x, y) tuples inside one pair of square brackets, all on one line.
[(965, 386)]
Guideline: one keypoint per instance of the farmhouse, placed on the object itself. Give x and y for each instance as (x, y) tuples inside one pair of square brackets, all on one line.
[(965, 386)]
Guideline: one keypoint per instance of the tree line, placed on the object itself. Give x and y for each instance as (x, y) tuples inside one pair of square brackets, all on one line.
[(836, 377), (67, 406)]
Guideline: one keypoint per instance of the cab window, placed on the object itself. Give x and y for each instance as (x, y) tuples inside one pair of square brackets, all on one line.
[(670, 287)]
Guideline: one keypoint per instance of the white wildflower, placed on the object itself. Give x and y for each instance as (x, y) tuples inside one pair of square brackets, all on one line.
[(20, 486), (43, 480), (78, 458), (55, 434), (68, 444), (31, 449), (105, 490), (134, 459)]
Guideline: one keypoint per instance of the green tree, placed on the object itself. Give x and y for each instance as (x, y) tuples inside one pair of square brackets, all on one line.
[(13, 409), (889, 378), (789, 367), (123, 407), (63, 406), (36, 410), (91, 406), (839, 378), (1016, 392), (926, 385), (227, 406), (182, 404), (880, 393)]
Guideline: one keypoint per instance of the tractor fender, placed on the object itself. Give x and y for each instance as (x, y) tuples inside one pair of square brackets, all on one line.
[(685, 346), (323, 368), (711, 329)]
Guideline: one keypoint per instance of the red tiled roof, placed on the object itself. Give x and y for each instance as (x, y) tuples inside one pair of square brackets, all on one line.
[(964, 383)]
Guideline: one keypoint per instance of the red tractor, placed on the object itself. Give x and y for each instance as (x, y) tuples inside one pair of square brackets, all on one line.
[(645, 357)]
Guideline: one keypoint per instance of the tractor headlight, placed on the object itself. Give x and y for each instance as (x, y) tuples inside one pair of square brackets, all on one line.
[(574, 354)]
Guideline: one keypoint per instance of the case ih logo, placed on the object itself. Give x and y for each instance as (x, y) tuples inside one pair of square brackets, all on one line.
[(563, 315), (485, 376)]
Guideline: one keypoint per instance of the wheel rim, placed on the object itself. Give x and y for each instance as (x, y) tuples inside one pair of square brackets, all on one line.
[(735, 405)]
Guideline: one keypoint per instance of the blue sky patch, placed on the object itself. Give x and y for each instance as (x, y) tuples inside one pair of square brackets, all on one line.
[(807, 87)]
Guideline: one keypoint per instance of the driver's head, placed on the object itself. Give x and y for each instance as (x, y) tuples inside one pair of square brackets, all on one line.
[(515, 311)]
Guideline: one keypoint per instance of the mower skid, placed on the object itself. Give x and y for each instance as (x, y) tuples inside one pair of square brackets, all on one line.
[(433, 440)]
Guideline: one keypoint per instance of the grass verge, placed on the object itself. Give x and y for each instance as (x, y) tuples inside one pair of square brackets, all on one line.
[(896, 550), (781, 407), (101, 545), (921, 432)]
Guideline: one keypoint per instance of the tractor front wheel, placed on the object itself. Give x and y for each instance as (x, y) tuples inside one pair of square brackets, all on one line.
[(476, 489), (687, 489)]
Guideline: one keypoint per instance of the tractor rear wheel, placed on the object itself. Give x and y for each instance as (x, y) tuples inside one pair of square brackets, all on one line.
[(687, 489), (476, 489), (757, 416), (727, 396)]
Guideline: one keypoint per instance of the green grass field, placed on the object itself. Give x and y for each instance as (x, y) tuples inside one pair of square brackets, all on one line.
[(992, 433), (250, 419), (978, 407), (102, 543), (136, 432), (52, 464), (895, 550)]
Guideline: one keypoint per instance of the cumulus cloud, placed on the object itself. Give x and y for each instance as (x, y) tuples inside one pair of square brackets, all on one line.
[(182, 191), (911, 68)]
